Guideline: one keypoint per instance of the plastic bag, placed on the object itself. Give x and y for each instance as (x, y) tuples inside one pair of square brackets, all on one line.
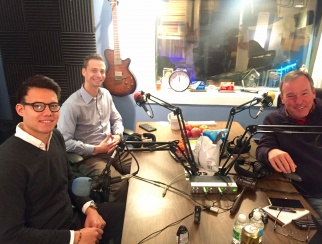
[(207, 150), (206, 153)]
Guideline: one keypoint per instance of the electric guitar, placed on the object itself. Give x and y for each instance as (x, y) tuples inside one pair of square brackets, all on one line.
[(119, 80)]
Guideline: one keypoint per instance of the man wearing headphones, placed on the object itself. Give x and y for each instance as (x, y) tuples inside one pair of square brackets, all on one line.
[(299, 153), (92, 127)]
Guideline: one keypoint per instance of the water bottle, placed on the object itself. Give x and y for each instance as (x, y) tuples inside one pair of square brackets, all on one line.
[(256, 220), (238, 227)]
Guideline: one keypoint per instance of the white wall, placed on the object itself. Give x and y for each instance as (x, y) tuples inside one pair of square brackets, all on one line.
[(136, 25)]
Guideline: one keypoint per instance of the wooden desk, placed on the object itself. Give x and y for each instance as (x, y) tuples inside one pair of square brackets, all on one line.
[(147, 211)]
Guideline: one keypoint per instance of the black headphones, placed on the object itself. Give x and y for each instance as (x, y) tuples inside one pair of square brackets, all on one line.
[(234, 146), (259, 171), (138, 137)]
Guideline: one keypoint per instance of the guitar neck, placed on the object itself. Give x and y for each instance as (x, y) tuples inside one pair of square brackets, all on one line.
[(117, 56)]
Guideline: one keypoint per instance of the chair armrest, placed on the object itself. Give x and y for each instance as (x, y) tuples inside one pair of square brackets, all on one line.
[(74, 158)]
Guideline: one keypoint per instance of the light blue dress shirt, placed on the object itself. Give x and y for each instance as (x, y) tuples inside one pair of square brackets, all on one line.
[(85, 121)]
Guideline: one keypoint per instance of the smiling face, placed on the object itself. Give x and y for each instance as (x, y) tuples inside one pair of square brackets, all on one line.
[(38, 124), (298, 97), (94, 73)]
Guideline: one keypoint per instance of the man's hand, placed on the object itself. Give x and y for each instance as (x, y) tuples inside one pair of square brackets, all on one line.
[(281, 161), (108, 145), (93, 219), (88, 236)]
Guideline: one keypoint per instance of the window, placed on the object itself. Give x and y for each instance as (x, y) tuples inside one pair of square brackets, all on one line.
[(221, 40)]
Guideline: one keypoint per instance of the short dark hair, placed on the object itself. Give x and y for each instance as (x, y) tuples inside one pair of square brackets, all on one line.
[(38, 81), (295, 74), (95, 56)]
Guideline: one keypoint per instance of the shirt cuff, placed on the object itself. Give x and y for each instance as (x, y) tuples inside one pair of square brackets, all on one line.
[(71, 237), (88, 149), (85, 206)]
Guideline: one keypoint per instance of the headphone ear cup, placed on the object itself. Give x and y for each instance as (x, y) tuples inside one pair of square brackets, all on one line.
[(150, 136), (237, 144), (135, 137), (231, 147)]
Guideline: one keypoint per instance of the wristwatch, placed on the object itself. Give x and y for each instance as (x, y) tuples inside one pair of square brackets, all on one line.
[(92, 204)]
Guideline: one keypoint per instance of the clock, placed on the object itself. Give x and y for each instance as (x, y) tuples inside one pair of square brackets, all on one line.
[(179, 80)]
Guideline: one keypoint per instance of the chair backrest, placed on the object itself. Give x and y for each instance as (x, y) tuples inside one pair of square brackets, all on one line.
[(318, 94)]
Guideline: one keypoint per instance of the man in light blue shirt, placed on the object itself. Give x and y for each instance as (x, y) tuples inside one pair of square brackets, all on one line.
[(92, 127)]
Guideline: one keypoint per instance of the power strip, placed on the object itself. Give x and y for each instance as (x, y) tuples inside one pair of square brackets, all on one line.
[(213, 184)]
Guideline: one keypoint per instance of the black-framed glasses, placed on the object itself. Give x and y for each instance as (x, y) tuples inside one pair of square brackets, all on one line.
[(39, 106), (291, 234)]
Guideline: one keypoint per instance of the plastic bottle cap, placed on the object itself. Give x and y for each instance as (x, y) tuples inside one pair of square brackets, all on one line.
[(257, 215), (242, 218)]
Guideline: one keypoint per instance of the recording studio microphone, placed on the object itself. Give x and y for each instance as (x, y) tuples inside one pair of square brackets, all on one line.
[(266, 101), (139, 100), (247, 184)]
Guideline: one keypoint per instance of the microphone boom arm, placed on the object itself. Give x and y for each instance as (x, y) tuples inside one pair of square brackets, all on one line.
[(233, 111), (187, 153)]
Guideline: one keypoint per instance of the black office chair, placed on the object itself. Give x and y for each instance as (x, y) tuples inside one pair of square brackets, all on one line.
[(318, 94)]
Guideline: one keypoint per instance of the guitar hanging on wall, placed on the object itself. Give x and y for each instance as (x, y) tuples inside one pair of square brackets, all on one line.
[(119, 80)]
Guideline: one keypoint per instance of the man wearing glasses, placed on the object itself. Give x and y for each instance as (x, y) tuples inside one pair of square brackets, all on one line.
[(37, 204)]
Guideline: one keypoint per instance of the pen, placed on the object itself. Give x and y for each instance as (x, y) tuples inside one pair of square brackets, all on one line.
[(283, 209)]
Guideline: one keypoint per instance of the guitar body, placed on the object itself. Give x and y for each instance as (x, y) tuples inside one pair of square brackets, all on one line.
[(119, 80)]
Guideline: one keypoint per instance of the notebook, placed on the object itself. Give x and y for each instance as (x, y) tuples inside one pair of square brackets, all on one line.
[(284, 218)]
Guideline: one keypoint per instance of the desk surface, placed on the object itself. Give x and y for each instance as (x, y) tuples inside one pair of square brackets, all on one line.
[(147, 211)]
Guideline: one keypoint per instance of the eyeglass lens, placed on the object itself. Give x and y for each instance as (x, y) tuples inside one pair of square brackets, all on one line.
[(39, 106)]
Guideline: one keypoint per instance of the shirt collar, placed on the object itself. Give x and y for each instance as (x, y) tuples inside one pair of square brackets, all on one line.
[(86, 96), (20, 133)]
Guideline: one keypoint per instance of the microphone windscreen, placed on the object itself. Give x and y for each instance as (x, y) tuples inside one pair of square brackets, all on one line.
[(137, 95), (271, 95), (82, 186)]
